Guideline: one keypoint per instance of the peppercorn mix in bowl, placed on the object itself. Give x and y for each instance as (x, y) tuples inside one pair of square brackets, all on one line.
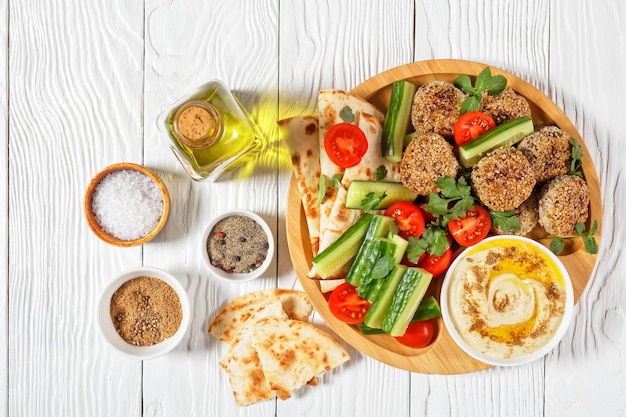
[(237, 246), (126, 204), (144, 313)]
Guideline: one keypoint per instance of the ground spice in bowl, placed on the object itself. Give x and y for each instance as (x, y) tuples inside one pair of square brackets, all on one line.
[(237, 244), (145, 311)]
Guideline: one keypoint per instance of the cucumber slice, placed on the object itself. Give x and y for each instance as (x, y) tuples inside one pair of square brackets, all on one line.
[(362, 272), (358, 190), (333, 260), (406, 299), (507, 134), (378, 310), (400, 244), (408, 138), (428, 309), (397, 119)]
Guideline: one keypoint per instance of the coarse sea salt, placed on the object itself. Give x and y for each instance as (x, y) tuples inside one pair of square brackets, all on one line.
[(127, 204)]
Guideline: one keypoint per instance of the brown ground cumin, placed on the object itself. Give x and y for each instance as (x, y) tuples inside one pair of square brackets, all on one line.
[(146, 311)]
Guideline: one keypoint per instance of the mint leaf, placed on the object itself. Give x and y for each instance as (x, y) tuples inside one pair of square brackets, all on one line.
[(557, 245), (347, 115), (483, 80), (464, 83), (381, 173), (590, 244), (484, 83), (470, 104), (383, 266), (497, 85), (577, 155), (322, 193)]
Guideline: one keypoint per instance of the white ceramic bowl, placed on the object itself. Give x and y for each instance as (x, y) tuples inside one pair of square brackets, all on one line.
[(446, 302), (231, 276), (115, 340)]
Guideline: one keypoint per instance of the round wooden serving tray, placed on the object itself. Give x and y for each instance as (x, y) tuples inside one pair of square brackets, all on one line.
[(442, 356)]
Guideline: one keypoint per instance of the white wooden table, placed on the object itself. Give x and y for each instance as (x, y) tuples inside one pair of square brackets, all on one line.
[(81, 85)]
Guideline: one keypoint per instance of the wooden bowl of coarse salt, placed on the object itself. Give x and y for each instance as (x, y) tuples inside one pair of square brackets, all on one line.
[(126, 204)]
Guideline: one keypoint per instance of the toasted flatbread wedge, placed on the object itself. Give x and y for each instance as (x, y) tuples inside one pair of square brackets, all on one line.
[(301, 135), (296, 305), (242, 363), (331, 103), (292, 352)]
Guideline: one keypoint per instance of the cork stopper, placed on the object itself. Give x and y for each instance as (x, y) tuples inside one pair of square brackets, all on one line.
[(197, 124)]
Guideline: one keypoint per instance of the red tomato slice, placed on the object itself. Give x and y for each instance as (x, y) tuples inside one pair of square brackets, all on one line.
[(409, 219), (472, 228), (345, 144), (434, 264), (346, 305), (471, 125), (418, 334)]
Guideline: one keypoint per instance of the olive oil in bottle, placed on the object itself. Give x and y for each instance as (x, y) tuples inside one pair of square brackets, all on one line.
[(210, 132)]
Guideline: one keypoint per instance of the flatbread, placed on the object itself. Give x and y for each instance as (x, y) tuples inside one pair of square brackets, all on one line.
[(293, 352), (242, 363), (224, 326), (301, 135), (330, 104)]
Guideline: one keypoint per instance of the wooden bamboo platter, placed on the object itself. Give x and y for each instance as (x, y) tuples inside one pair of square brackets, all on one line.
[(442, 356)]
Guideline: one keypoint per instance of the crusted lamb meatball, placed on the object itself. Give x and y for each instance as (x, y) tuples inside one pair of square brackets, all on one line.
[(503, 179), (563, 202), (427, 158), (528, 215), (436, 106), (548, 151), (508, 105)]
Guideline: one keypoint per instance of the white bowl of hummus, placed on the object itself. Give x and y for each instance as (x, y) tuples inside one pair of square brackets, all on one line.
[(507, 300)]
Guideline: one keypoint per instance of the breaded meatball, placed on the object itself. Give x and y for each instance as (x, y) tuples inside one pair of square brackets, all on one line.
[(427, 158), (436, 106), (508, 105), (528, 215), (503, 179), (563, 202), (548, 151)]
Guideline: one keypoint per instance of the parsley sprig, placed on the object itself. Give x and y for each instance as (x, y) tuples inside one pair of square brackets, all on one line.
[(453, 201), (485, 82)]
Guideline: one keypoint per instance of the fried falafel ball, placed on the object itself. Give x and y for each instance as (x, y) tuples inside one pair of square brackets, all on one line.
[(503, 179), (563, 202), (548, 151), (427, 158), (436, 107), (528, 215), (508, 105)]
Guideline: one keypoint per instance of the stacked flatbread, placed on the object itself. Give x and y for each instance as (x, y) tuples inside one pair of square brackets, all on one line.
[(272, 350), (304, 137)]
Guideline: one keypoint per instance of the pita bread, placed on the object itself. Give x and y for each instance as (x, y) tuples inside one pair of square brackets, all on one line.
[(224, 326), (293, 352), (242, 363), (301, 134), (330, 104)]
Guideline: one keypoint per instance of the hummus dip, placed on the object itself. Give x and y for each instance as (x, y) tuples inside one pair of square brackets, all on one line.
[(506, 297)]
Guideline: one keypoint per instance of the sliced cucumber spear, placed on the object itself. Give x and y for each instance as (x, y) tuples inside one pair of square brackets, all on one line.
[(397, 119), (368, 195)]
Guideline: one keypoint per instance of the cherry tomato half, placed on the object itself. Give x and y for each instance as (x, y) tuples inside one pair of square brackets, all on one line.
[(409, 219), (345, 144), (346, 305), (418, 334), (472, 228), (436, 265), (471, 125)]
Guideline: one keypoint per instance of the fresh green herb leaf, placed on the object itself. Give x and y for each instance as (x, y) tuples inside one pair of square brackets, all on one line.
[(580, 228), (485, 82), (372, 200), (456, 198), (322, 193), (382, 267), (588, 238), (347, 115), (577, 155), (416, 248), (434, 240), (506, 221), (381, 173), (557, 245), (590, 244), (336, 180)]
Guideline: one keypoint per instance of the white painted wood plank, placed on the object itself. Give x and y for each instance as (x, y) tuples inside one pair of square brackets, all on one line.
[(4, 201), (187, 44), (325, 44), (589, 372), (76, 83)]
